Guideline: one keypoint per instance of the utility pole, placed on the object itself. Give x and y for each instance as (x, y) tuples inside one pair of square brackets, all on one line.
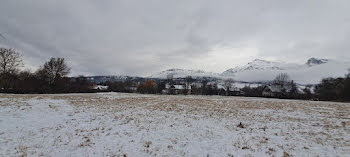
[(2, 36)]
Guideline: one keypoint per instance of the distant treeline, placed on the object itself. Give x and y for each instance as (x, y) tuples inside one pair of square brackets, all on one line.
[(52, 77)]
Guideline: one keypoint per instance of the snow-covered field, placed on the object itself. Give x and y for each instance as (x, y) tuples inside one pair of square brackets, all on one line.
[(117, 124)]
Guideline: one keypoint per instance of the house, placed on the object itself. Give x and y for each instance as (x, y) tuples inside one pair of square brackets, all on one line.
[(268, 91), (277, 89), (233, 90), (177, 89), (284, 89), (133, 89), (100, 88)]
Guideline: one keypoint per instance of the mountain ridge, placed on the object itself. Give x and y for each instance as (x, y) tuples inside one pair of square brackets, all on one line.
[(259, 70)]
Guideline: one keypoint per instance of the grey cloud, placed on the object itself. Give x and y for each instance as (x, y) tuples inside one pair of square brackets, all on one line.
[(143, 37)]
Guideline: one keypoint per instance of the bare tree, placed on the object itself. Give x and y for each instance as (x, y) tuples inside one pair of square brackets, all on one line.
[(55, 69), (282, 83), (228, 84), (188, 80), (10, 60), (170, 76), (282, 78)]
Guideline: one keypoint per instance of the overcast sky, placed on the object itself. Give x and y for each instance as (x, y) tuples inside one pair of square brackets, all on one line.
[(142, 37)]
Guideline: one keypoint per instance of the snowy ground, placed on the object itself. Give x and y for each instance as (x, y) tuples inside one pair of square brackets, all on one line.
[(117, 124)]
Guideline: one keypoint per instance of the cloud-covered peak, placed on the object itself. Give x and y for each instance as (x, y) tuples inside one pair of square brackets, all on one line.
[(316, 61)]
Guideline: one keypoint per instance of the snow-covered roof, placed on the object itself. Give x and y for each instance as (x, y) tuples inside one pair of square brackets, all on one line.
[(167, 86), (100, 87)]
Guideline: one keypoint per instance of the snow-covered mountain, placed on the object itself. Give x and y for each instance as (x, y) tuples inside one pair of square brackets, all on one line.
[(259, 64), (259, 70), (309, 73), (315, 61), (182, 73)]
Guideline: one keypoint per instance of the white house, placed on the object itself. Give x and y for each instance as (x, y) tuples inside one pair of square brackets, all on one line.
[(177, 89), (100, 87)]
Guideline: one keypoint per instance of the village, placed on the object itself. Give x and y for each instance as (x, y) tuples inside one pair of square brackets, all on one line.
[(279, 88)]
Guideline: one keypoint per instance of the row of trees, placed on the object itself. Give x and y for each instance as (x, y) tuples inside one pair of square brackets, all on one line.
[(281, 87), (147, 86), (202, 87), (51, 77), (336, 89)]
